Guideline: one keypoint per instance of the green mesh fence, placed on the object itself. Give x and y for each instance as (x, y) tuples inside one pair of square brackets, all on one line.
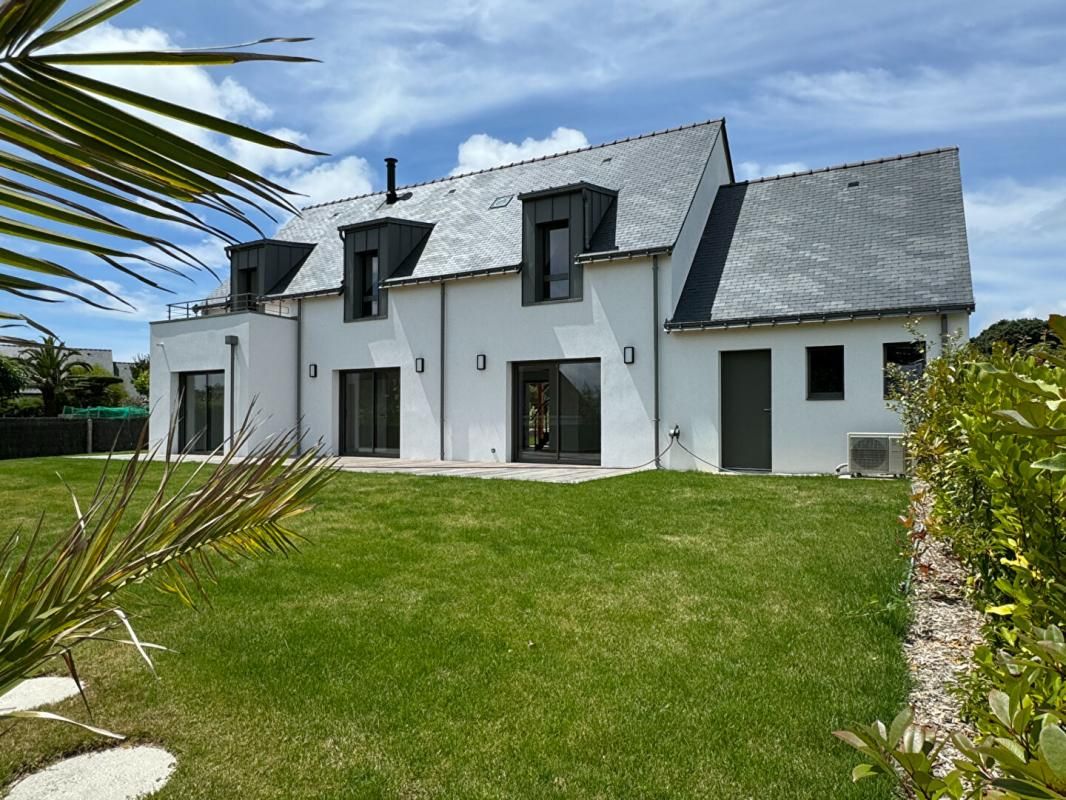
[(104, 412)]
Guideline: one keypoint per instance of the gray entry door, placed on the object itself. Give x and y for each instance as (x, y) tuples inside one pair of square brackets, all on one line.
[(746, 409)]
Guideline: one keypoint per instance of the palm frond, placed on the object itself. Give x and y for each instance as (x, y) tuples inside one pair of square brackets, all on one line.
[(83, 140), (54, 599)]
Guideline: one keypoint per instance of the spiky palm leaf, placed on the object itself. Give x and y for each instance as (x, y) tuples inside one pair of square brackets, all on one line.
[(52, 600), (67, 139)]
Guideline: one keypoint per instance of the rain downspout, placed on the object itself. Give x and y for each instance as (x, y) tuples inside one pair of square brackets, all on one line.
[(655, 349), (442, 285), (299, 376), (231, 341)]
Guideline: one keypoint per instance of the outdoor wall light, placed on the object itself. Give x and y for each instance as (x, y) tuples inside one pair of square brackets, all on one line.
[(481, 361), (312, 370), (629, 354), (420, 365)]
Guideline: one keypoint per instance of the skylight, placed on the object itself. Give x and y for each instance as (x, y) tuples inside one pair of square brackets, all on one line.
[(501, 201)]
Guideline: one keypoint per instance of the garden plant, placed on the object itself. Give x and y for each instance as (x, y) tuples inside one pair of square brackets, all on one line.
[(986, 434)]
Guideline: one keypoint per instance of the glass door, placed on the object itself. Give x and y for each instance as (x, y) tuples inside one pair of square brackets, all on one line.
[(536, 413), (370, 413), (558, 411), (201, 425)]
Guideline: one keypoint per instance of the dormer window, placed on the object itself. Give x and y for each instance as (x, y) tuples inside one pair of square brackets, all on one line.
[(369, 277), (261, 268), (375, 251), (557, 225), (553, 271)]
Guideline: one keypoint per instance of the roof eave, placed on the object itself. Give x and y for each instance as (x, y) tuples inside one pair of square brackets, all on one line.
[(450, 276), (618, 255), (303, 295), (568, 188), (800, 319)]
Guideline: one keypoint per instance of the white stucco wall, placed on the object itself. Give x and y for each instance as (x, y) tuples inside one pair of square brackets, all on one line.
[(410, 331), (265, 365), (486, 316), (807, 435)]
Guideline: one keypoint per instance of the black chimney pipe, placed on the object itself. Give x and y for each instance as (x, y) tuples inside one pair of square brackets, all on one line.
[(390, 171)]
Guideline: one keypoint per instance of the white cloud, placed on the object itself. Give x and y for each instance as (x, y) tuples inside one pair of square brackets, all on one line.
[(482, 151), (331, 180), (750, 170), (433, 62), (1017, 235), (921, 99)]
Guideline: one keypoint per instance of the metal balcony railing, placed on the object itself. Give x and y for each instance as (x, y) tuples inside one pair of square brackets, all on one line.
[(228, 304)]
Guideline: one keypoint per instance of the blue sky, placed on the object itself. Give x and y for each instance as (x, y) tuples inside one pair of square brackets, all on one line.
[(447, 85)]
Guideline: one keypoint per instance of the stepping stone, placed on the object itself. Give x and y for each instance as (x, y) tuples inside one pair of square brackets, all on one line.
[(121, 773), (36, 692)]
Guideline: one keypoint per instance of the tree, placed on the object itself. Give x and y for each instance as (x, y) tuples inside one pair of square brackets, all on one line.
[(50, 367), (67, 139), (11, 378), (93, 386), (140, 370), (54, 598), (1017, 334)]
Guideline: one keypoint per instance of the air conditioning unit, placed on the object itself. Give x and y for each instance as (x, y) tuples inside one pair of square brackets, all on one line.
[(876, 454)]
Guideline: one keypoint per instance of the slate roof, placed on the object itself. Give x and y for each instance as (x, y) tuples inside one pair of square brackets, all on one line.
[(655, 175), (864, 239)]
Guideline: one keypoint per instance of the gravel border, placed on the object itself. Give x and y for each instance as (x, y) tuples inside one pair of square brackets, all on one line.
[(945, 629)]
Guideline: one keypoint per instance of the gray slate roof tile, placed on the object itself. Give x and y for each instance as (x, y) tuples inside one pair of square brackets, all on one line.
[(656, 176), (809, 245)]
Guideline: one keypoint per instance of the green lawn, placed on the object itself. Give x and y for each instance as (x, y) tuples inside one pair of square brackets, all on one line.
[(656, 635)]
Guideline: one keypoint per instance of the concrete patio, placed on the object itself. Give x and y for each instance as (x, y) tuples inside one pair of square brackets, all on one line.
[(509, 471), (546, 473)]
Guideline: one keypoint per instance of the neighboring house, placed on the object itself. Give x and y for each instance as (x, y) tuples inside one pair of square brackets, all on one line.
[(577, 307), (91, 355)]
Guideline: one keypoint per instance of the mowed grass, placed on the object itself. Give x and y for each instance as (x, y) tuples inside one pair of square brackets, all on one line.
[(651, 636)]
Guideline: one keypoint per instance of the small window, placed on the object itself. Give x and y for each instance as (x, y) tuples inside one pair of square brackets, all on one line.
[(368, 303), (825, 373), (501, 202), (906, 357), (554, 269)]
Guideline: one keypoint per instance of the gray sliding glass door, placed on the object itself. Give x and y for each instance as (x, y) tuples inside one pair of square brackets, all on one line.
[(557, 415), (201, 425), (370, 413)]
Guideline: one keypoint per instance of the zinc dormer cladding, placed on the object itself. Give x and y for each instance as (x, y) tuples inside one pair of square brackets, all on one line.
[(655, 176), (582, 208), (258, 268), (395, 241)]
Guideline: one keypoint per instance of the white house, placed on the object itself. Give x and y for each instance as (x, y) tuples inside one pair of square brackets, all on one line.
[(580, 307)]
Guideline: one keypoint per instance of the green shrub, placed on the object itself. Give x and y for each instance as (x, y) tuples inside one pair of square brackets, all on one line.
[(11, 378), (1015, 334), (987, 434), (31, 406)]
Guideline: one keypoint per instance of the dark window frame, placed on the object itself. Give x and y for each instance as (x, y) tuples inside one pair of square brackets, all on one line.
[(376, 450), (183, 399), (555, 455), (357, 297), (544, 276), (917, 347), (836, 394)]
